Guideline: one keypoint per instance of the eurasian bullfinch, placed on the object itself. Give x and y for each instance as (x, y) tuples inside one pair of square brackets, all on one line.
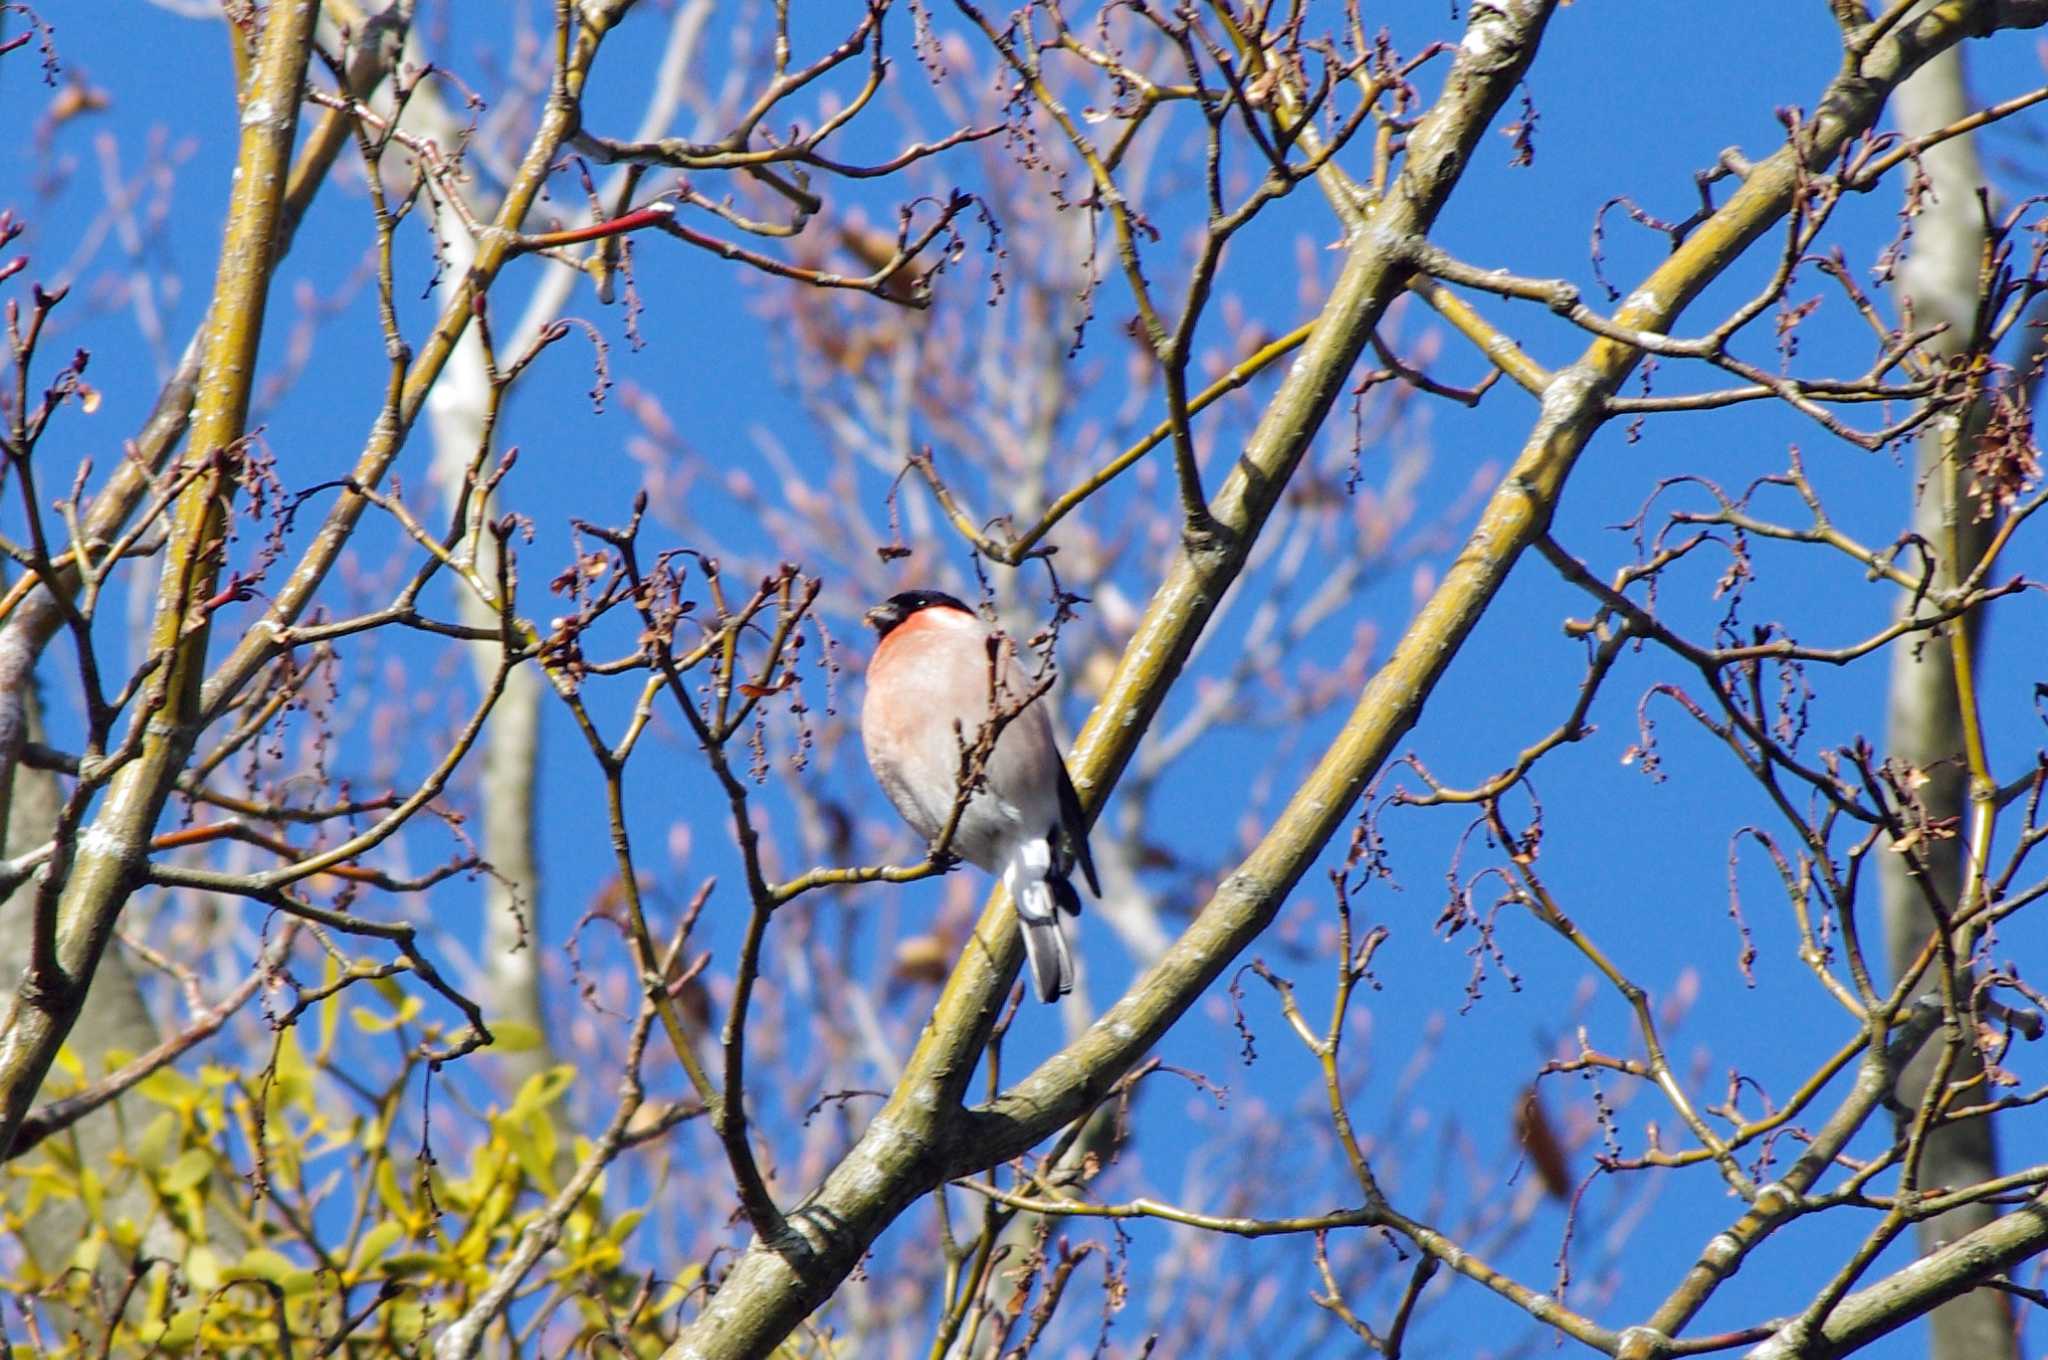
[(928, 693)]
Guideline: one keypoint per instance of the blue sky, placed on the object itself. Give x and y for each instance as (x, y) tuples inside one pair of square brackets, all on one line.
[(1632, 98)]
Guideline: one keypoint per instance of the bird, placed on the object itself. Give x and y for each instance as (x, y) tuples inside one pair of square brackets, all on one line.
[(928, 697)]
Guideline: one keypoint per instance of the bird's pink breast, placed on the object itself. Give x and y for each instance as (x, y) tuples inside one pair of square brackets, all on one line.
[(927, 691)]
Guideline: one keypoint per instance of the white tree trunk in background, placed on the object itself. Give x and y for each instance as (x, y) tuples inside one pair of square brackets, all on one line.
[(1940, 276)]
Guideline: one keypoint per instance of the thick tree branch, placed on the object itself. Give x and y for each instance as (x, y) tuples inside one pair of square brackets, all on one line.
[(907, 1147), (70, 932), (1942, 283), (1950, 1273)]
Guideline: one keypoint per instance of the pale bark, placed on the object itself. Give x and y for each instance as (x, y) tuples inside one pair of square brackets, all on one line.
[(73, 925), (113, 1017), (1936, 1282), (1940, 279), (921, 1137), (513, 984)]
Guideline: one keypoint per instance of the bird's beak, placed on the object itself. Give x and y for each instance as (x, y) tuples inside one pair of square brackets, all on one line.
[(880, 617)]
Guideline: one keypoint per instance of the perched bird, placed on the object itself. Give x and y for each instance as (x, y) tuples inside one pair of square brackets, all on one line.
[(929, 693)]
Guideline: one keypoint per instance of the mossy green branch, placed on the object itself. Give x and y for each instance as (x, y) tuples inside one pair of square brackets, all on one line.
[(72, 927), (1067, 1084), (577, 44), (908, 1146)]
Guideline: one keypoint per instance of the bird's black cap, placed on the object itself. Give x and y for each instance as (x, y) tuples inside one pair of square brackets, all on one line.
[(899, 607)]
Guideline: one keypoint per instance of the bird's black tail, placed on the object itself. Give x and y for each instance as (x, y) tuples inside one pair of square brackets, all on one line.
[(1040, 913)]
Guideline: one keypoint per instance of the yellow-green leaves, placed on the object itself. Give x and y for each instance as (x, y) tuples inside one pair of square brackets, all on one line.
[(513, 1037), (372, 1022), (188, 1172)]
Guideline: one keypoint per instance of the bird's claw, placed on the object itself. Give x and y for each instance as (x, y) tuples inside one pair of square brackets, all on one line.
[(944, 861)]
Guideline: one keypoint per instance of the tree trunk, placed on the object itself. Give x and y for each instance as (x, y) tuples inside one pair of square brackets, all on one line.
[(113, 1017), (1924, 725)]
